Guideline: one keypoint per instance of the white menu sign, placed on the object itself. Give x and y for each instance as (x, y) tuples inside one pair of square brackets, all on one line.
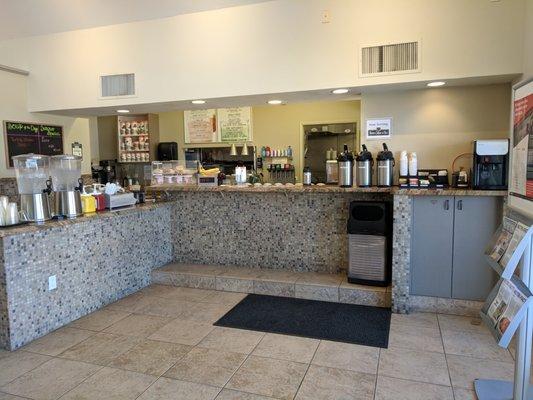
[(200, 126), (235, 124), (378, 128)]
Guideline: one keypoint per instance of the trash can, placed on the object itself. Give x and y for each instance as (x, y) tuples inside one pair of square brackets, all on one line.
[(370, 243)]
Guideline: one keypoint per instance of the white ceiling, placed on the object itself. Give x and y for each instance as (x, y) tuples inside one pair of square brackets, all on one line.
[(21, 18)]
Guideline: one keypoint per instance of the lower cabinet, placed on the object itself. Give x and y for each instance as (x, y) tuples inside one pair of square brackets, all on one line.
[(449, 236)]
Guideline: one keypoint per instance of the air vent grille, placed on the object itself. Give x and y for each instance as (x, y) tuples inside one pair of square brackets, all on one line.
[(117, 85), (390, 58)]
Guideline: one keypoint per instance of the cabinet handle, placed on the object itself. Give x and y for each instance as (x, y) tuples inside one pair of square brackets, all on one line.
[(446, 205), (460, 205)]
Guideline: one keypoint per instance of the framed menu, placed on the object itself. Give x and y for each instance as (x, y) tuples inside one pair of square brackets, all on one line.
[(235, 124), (200, 126)]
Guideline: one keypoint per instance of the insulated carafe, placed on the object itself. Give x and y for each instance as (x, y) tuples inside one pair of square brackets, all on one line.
[(385, 167), (345, 165), (364, 163)]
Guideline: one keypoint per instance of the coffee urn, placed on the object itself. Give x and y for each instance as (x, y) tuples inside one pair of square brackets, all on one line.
[(67, 184), (385, 167), (345, 163), (364, 163)]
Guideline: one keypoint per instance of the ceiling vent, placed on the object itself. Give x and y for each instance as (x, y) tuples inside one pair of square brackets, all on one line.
[(390, 59), (117, 85)]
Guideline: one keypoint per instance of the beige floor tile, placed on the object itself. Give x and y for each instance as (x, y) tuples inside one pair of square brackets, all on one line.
[(347, 356), (4, 353), (158, 290), (289, 348), (474, 345), (18, 363), (170, 389), (464, 370), (419, 319), (218, 297), (464, 394), (187, 294), (111, 383), (227, 394), (463, 324), (138, 325), (6, 396), (268, 377), (322, 383), (388, 388), (207, 366), (129, 303), (51, 380), (183, 332), (234, 340), (151, 357), (58, 341), (409, 337), (99, 320), (159, 306), (414, 365), (205, 312), (195, 269), (101, 348)]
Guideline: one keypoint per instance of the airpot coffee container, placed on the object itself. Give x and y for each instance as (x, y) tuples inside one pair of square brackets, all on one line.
[(385, 168), (364, 162), (345, 165)]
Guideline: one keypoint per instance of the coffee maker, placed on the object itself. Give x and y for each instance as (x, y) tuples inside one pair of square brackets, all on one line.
[(67, 185), (491, 164), (105, 171)]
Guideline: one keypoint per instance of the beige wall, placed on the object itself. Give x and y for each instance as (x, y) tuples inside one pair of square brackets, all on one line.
[(13, 106), (440, 123), (528, 40), (274, 126)]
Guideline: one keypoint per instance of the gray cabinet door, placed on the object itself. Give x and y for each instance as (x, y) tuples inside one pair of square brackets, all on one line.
[(432, 246), (476, 220)]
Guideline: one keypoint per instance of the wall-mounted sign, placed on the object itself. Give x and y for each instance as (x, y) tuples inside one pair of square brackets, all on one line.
[(378, 128), (235, 124), (201, 126), (77, 149)]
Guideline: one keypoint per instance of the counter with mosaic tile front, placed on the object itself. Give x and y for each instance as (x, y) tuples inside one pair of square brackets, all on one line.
[(96, 260)]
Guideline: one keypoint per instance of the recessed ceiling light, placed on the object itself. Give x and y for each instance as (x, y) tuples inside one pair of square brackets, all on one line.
[(437, 83), (123, 111), (274, 102), (340, 91), (198, 102)]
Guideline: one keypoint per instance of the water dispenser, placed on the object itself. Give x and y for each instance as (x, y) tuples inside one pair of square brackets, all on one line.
[(67, 185)]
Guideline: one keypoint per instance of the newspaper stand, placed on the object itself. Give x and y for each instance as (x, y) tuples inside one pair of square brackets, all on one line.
[(520, 389)]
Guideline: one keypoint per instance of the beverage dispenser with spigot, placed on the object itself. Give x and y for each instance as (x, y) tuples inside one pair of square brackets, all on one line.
[(34, 186), (67, 185)]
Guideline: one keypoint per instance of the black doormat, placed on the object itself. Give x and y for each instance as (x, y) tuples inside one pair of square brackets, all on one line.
[(338, 322)]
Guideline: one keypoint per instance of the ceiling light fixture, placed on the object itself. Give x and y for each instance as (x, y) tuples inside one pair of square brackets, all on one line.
[(340, 91), (198, 102), (274, 102), (436, 83), (123, 111)]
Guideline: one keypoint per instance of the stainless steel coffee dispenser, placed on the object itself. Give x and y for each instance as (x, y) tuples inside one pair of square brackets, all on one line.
[(345, 164), (385, 167), (364, 163)]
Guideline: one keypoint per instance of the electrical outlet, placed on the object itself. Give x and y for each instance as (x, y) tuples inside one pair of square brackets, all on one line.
[(326, 18), (52, 282)]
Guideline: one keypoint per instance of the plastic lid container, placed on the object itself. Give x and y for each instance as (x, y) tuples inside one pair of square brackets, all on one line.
[(32, 172)]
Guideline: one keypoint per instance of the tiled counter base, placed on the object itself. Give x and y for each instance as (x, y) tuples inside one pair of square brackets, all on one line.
[(303, 285)]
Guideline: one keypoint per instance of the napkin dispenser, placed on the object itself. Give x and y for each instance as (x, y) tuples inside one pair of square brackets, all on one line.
[(119, 200)]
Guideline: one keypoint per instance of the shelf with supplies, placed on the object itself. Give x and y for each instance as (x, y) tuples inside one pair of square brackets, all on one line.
[(133, 135)]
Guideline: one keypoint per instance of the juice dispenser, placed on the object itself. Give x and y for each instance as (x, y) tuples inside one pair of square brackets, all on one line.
[(34, 185), (67, 185)]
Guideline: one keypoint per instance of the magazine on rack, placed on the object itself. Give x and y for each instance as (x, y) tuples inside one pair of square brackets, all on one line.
[(518, 234), (503, 237), (507, 305)]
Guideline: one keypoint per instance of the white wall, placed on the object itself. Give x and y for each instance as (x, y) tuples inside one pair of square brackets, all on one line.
[(13, 107), (270, 47), (439, 123)]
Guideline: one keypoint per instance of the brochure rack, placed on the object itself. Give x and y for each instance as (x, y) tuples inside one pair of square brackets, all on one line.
[(517, 250)]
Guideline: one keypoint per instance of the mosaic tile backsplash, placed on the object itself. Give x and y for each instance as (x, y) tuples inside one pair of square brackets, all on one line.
[(289, 231), (96, 261)]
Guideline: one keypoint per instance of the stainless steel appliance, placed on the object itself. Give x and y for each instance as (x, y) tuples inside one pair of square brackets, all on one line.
[(34, 186), (345, 163), (491, 164), (307, 176), (67, 185), (369, 243), (385, 167), (364, 163)]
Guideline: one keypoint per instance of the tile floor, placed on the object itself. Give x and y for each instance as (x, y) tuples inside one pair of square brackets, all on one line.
[(160, 344)]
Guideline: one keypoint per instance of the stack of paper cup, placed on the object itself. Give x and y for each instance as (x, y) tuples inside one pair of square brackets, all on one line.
[(4, 201), (12, 214)]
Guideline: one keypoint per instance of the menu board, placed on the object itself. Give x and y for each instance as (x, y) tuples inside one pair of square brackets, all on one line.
[(235, 124), (25, 137), (201, 126)]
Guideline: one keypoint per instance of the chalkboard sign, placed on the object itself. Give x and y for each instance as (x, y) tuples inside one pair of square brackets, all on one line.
[(25, 137)]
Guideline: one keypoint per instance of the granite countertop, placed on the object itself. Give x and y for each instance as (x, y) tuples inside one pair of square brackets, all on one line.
[(325, 189), (102, 215)]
